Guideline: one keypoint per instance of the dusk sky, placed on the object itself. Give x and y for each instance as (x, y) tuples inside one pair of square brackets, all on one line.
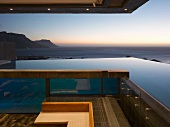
[(149, 25)]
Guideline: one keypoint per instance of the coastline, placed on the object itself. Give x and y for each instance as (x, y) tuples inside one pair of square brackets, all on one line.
[(157, 54)]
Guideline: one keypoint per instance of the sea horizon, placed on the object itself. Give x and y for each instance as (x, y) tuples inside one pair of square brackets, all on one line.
[(161, 54)]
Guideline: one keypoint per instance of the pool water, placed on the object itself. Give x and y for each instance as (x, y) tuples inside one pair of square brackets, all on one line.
[(21, 95), (153, 77)]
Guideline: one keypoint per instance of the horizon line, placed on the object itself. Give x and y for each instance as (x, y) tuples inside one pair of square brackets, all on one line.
[(102, 45)]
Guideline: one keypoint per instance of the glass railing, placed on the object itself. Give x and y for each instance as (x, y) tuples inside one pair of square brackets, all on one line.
[(141, 109), (75, 86), (23, 91), (91, 86), (21, 95)]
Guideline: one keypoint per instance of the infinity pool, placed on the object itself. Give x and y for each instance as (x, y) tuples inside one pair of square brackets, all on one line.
[(153, 77)]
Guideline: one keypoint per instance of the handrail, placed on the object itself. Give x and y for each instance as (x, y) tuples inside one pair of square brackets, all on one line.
[(158, 107), (11, 73)]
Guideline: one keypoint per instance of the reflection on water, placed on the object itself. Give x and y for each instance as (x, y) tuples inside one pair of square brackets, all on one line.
[(21, 95), (153, 77)]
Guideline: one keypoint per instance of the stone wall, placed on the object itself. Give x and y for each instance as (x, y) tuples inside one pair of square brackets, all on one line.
[(7, 51)]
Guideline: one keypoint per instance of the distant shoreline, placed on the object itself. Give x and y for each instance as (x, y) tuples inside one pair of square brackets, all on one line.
[(157, 54)]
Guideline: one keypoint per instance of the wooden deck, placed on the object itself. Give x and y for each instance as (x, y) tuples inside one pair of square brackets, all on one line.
[(99, 113), (17, 120)]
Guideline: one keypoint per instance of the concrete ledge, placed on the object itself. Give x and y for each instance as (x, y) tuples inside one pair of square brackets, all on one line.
[(70, 6), (48, 1), (4, 73)]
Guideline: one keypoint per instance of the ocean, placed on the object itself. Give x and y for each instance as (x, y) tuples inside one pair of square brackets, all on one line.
[(159, 53)]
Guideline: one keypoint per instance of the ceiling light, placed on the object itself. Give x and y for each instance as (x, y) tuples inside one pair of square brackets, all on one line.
[(48, 9), (87, 9), (11, 9), (125, 9)]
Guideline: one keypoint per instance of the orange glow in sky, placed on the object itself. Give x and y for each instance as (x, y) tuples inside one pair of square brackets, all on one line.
[(148, 25)]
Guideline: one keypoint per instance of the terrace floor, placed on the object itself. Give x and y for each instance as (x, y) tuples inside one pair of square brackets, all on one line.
[(106, 111), (17, 120)]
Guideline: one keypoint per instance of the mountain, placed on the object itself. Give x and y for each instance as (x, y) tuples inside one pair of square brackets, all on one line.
[(47, 43), (20, 40)]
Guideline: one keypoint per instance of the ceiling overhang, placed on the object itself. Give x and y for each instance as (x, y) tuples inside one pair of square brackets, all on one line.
[(50, 1), (70, 6)]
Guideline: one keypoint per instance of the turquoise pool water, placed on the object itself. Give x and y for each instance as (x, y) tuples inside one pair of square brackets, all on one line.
[(26, 95), (21, 95), (153, 77)]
